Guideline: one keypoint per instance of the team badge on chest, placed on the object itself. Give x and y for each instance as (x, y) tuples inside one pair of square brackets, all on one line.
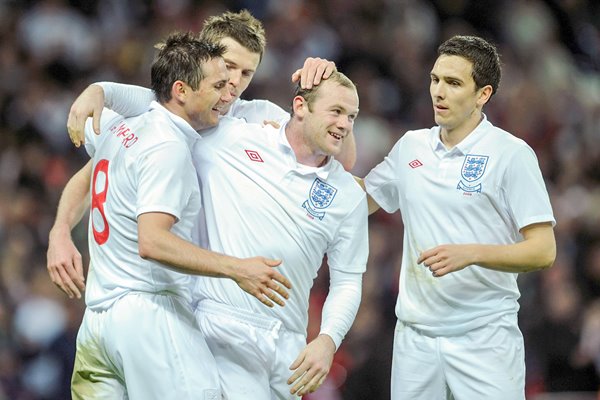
[(472, 171), (321, 196)]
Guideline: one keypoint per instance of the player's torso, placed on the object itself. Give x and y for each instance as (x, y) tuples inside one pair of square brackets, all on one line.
[(113, 229), (259, 202)]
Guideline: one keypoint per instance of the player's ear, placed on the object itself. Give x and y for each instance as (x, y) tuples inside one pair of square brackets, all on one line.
[(300, 106), (179, 90), (484, 95)]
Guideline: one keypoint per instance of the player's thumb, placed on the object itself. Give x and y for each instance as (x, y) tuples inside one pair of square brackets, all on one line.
[(272, 263), (96, 120)]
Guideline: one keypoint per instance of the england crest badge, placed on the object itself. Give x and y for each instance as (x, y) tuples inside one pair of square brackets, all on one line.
[(472, 170), (321, 196)]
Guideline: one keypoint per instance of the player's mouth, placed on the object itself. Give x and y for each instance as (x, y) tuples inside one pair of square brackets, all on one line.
[(337, 136), (440, 108)]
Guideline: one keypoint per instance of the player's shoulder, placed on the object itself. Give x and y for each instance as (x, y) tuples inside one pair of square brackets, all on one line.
[(344, 179), (502, 141)]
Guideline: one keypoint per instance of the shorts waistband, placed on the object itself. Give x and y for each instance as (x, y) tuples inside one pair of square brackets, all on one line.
[(249, 317)]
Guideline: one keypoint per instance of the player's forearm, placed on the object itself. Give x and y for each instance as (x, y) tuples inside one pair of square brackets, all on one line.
[(73, 202), (127, 100), (536, 251), (347, 156), (167, 248), (371, 203), (341, 305)]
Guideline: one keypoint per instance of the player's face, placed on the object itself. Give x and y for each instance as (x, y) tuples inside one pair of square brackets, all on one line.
[(241, 64), (454, 93), (331, 119), (204, 106)]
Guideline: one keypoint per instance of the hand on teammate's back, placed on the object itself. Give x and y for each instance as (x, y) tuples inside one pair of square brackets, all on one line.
[(89, 104), (258, 277)]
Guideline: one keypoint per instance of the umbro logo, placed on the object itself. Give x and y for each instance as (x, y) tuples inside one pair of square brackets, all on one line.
[(415, 164), (253, 155)]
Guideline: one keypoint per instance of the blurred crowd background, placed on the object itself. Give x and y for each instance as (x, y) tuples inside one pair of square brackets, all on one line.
[(50, 50)]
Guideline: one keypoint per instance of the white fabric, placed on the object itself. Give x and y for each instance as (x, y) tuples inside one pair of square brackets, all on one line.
[(341, 305), (438, 197), (258, 202), (485, 363), (253, 352), (149, 170), (257, 111), (145, 347), (131, 100)]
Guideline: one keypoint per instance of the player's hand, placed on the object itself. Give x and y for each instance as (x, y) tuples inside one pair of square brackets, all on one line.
[(312, 366), (258, 277), (64, 264), (274, 124), (447, 258), (313, 71), (89, 104)]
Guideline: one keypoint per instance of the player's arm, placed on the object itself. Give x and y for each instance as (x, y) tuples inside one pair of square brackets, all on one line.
[(63, 259), (127, 100), (536, 251), (372, 204), (256, 276), (314, 362)]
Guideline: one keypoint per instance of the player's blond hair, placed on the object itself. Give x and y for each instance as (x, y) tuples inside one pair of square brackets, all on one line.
[(310, 95), (241, 27)]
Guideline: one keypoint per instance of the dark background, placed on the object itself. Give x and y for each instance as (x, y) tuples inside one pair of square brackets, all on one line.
[(549, 96)]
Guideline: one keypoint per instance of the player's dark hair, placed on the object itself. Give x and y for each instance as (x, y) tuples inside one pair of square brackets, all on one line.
[(482, 54), (180, 58), (310, 95), (241, 27)]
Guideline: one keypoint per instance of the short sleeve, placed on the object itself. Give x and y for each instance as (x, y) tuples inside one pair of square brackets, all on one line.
[(525, 191), (382, 183), (165, 179)]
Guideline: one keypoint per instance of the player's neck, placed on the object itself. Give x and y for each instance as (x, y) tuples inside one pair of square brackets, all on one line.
[(305, 155)]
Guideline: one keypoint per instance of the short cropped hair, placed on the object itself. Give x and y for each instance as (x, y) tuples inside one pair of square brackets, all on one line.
[(310, 95), (482, 54), (241, 27), (181, 57)]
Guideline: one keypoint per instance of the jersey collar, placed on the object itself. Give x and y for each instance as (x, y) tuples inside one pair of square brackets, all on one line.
[(465, 146), (284, 146), (190, 135)]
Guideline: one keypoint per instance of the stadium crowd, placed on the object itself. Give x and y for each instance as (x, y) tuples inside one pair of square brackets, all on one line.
[(549, 96)]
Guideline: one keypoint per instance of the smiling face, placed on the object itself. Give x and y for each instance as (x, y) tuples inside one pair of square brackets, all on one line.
[(241, 64), (457, 103), (329, 118), (203, 106)]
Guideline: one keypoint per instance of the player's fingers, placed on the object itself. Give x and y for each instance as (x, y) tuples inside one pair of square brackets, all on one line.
[(95, 121), (265, 300), (296, 75), (60, 282), (282, 280), (330, 69), (278, 289), (69, 285), (305, 80), (318, 74), (275, 299), (80, 277)]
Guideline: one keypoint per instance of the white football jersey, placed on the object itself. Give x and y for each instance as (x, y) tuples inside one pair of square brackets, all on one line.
[(141, 164), (260, 202), (484, 190)]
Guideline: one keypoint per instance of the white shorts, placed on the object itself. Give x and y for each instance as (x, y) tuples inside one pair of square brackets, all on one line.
[(253, 352), (146, 346), (485, 363)]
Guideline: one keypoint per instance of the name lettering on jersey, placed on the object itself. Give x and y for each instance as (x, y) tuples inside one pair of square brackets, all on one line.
[(415, 164), (320, 196), (253, 155), (472, 170), (122, 131)]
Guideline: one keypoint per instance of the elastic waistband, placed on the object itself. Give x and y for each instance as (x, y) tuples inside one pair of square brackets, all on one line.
[(249, 317)]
